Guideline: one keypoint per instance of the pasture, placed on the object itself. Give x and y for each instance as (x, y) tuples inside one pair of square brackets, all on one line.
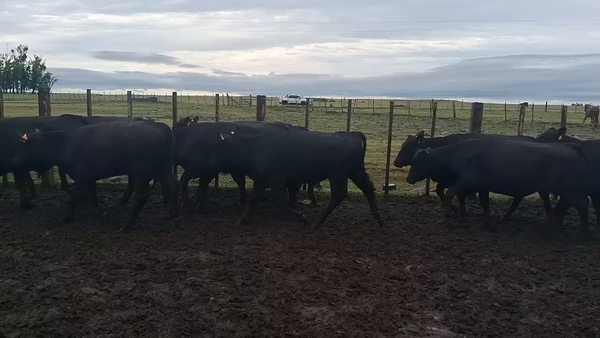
[(276, 277)]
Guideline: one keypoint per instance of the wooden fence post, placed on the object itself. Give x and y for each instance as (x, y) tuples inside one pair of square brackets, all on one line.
[(129, 105), (453, 109), (408, 106), (217, 118), (217, 111), (532, 110), (387, 187), (175, 119), (307, 113), (89, 102), (546, 107), (433, 120), (349, 115), (521, 119), (4, 177), (476, 117), (563, 116), (45, 109), (1, 103), (505, 111), (373, 106), (261, 107)]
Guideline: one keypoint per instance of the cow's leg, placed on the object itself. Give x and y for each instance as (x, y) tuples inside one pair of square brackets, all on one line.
[(31, 185), (311, 194), (484, 200), (339, 191), (581, 204), (513, 206), (255, 195), (202, 192), (439, 190), (560, 210), (77, 193), (142, 193), (128, 192), (462, 205), (64, 183), (240, 180), (459, 187), (170, 185), (293, 189), (183, 182), (596, 204), (20, 181), (278, 187), (365, 184), (585, 118)]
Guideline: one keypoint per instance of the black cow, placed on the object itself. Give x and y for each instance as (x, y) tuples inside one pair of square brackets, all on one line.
[(444, 180), (278, 159), (592, 152), (512, 168), (9, 142), (195, 147), (142, 150)]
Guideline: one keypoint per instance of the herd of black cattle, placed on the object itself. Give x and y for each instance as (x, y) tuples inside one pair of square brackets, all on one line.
[(283, 157)]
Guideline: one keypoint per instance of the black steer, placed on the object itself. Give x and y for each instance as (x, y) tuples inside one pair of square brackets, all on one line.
[(512, 168), (139, 149), (196, 145), (591, 148), (444, 180), (279, 159)]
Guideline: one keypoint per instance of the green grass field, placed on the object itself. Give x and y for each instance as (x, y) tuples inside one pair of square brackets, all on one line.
[(369, 116)]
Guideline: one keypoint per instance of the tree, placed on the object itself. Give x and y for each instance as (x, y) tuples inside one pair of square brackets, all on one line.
[(19, 72)]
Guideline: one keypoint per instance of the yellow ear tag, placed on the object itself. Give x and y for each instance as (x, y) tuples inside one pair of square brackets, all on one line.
[(560, 138), (222, 138), (24, 138)]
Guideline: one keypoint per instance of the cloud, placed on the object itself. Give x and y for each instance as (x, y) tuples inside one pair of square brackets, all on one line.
[(463, 48), (149, 58), (514, 77)]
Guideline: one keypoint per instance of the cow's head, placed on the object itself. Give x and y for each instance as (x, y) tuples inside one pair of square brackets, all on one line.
[(419, 169), (552, 135), (226, 153), (409, 149), (30, 149)]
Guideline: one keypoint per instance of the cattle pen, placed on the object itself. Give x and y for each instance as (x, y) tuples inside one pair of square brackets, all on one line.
[(276, 277)]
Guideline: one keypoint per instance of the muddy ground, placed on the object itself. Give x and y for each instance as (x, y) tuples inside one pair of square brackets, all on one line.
[(275, 277)]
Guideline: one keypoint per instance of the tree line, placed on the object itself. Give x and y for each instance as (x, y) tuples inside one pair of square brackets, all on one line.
[(20, 73)]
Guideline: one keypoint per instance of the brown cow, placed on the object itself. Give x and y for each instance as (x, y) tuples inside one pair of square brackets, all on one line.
[(592, 112)]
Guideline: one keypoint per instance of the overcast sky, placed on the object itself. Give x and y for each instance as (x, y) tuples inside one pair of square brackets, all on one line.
[(508, 49)]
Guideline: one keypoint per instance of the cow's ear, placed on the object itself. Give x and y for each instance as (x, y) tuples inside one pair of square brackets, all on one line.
[(24, 138), (420, 135), (236, 130), (561, 133)]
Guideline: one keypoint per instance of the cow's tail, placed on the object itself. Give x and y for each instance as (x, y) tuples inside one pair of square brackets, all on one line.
[(363, 138)]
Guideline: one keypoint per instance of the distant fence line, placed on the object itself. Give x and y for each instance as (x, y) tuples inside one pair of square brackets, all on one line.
[(250, 100)]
